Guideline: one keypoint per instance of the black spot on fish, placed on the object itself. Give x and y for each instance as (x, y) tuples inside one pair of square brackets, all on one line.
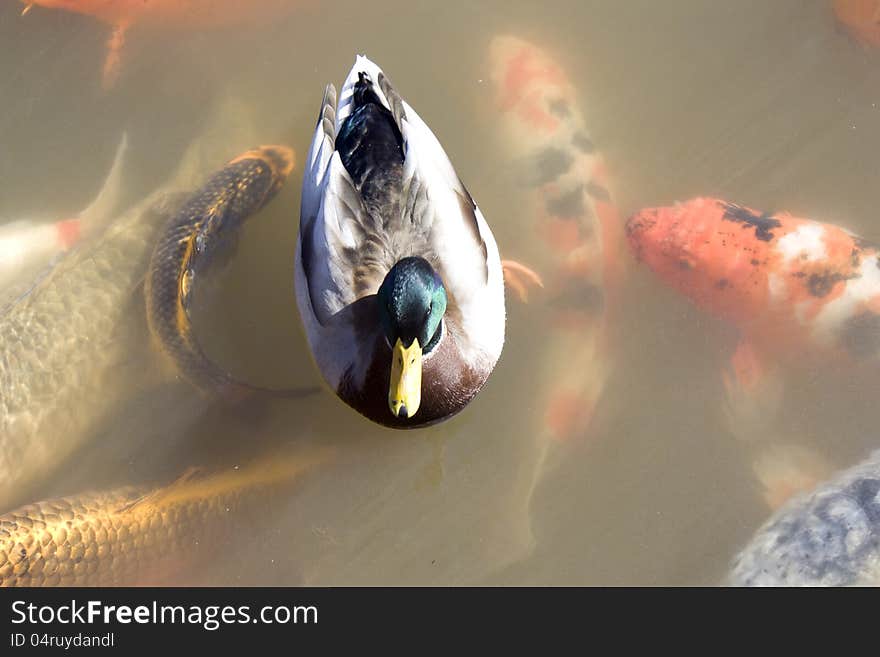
[(597, 192), (583, 143), (821, 284), (560, 108), (860, 335), (863, 244), (762, 223), (723, 283), (579, 294), (550, 164), (568, 205), (855, 258), (800, 274), (755, 262)]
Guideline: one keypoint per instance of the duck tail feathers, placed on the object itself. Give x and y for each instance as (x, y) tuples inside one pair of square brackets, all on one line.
[(363, 70)]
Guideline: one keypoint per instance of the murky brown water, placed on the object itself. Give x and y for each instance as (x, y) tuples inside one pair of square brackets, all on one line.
[(768, 104)]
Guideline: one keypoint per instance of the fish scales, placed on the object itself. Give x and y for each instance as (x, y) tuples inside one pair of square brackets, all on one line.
[(138, 535), (205, 226), (64, 343)]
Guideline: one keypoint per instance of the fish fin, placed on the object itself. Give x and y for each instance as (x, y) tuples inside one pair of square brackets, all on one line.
[(113, 60), (519, 278), (786, 470), (229, 129), (270, 469), (101, 209), (754, 393), (189, 476)]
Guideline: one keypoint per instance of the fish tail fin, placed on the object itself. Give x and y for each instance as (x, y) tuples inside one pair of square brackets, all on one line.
[(101, 209), (273, 469), (753, 393), (113, 59), (754, 398)]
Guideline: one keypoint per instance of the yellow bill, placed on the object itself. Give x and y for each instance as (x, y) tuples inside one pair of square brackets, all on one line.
[(405, 391)]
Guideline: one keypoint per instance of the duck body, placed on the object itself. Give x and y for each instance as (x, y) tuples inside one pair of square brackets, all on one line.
[(394, 261)]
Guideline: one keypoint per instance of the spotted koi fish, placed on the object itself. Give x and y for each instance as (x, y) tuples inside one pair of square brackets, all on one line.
[(787, 283), (796, 289), (561, 182), (122, 15)]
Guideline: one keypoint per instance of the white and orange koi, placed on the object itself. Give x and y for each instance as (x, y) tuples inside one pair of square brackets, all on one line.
[(28, 246), (797, 290), (568, 208), (24, 244), (792, 286)]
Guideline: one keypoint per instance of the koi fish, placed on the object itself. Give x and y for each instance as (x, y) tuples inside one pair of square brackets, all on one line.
[(27, 247), (796, 289), (861, 18), (787, 283), (70, 338), (206, 224), (122, 15), (120, 537), (561, 183)]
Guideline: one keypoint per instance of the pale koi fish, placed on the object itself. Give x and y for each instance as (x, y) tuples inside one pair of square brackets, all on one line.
[(561, 183)]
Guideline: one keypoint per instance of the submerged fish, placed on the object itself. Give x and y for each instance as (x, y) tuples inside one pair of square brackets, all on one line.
[(798, 291), (138, 535), (787, 283), (29, 246), (861, 18), (73, 344), (567, 207), (207, 223), (830, 537), (167, 14)]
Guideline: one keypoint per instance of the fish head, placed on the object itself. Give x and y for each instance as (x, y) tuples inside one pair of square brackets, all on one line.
[(530, 85), (693, 249), (655, 239), (268, 169)]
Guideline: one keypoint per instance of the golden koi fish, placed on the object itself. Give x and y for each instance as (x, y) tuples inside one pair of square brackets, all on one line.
[(118, 538)]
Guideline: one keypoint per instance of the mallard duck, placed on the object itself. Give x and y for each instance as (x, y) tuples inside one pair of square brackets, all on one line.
[(398, 278)]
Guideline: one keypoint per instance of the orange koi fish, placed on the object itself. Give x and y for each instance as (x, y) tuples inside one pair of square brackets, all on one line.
[(165, 14), (796, 289), (861, 18), (789, 284), (561, 182)]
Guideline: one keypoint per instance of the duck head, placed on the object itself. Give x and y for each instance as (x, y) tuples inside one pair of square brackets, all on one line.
[(412, 302)]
